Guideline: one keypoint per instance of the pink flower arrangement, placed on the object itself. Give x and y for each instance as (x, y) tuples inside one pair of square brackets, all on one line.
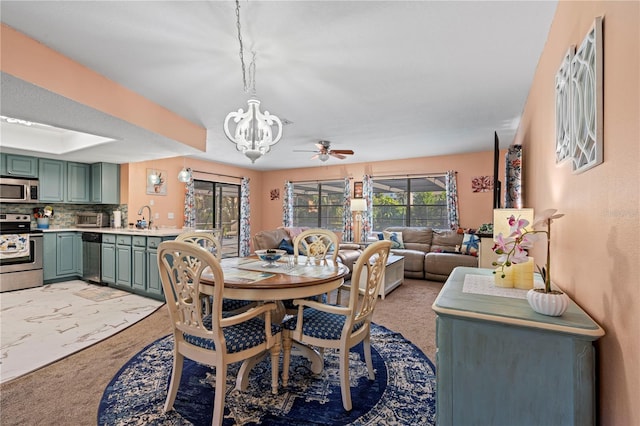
[(513, 249)]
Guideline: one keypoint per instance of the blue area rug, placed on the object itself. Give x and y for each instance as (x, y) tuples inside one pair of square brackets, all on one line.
[(403, 392)]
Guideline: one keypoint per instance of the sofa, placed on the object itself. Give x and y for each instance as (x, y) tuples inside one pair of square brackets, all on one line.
[(348, 253), (429, 253)]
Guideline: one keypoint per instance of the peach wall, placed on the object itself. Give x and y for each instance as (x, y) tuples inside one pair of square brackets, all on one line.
[(34, 62), (595, 254), (173, 202), (475, 208)]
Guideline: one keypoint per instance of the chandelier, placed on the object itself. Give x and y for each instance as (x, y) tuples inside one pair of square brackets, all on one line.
[(253, 134)]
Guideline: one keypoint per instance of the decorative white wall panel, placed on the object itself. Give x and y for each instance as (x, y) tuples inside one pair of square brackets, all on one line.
[(587, 101), (563, 108)]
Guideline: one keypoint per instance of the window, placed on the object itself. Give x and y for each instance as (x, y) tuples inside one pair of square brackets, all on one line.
[(217, 206), (419, 201), (318, 204)]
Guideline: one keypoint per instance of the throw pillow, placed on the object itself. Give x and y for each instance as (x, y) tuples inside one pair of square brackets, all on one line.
[(395, 238), (286, 245), (470, 244)]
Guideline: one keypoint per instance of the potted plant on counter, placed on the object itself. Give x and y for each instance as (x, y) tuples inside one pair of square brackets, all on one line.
[(42, 216), (513, 250)]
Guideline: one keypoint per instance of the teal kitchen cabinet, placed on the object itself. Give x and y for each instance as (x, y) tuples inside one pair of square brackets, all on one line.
[(123, 261), (49, 256), (105, 183), (52, 175), (62, 255), (154, 285), (501, 363), (139, 264), (19, 166), (108, 254), (78, 182)]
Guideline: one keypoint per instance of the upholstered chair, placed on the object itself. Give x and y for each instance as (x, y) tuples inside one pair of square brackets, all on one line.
[(215, 339), (341, 327)]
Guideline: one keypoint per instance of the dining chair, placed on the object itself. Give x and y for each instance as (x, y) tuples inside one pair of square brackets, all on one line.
[(215, 339), (318, 244), (340, 327), (210, 241)]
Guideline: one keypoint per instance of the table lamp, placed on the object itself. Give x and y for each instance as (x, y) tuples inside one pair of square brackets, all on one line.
[(358, 205)]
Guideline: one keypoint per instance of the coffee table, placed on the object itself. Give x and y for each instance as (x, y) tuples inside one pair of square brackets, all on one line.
[(393, 275)]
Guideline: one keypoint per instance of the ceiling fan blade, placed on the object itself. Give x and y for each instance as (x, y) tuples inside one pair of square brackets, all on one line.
[(305, 150), (343, 151), (315, 156), (340, 156), (321, 146)]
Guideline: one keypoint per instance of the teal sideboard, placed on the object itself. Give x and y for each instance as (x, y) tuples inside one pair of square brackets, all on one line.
[(500, 363)]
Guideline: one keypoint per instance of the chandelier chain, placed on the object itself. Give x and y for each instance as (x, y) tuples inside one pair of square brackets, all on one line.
[(252, 66), (244, 73)]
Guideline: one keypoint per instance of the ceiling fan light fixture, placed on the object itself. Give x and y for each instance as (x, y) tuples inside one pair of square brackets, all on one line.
[(323, 157)]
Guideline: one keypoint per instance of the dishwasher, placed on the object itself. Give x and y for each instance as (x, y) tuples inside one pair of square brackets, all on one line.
[(92, 257)]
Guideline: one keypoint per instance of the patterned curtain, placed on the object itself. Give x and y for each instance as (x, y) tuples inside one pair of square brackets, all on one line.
[(189, 203), (347, 217), (287, 205), (452, 199), (245, 222), (513, 187), (367, 217)]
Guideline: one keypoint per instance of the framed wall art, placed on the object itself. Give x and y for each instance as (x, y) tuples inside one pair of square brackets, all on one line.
[(156, 182), (587, 101), (357, 190)]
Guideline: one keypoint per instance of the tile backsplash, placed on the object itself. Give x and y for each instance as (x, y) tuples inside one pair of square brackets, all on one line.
[(64, 215)]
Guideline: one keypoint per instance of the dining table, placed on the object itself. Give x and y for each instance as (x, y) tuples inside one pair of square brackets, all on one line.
[(252, 279)]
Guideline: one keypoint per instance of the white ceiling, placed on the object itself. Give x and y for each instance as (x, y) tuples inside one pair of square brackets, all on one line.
[(388, 79)]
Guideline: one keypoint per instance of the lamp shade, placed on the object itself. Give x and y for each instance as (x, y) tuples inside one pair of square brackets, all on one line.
[(358, 205)]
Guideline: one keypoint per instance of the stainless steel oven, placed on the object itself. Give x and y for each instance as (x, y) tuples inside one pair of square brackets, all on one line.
[(20, 253)]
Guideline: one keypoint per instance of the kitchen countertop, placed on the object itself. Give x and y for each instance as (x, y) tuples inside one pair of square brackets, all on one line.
[(160, 232)]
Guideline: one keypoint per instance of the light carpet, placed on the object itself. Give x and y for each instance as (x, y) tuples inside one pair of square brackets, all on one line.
[(44, 324), (403, 392)]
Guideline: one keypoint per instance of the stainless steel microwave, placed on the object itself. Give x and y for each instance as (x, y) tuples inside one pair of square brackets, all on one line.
[(16, 190)]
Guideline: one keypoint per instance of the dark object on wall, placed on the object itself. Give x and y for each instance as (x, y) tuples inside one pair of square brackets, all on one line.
[(496, 181), (357, 190)]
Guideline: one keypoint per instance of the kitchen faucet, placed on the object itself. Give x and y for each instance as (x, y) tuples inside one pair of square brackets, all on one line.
[(150, 217)]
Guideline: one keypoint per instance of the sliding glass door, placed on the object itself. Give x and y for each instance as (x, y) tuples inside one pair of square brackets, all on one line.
[(218, 207)]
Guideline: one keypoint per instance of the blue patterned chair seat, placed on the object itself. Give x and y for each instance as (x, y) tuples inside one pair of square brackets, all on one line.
[(238, 337), (320, 324), (235, 304)]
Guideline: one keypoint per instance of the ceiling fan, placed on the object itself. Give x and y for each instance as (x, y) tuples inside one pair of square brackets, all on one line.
[(324, 151)]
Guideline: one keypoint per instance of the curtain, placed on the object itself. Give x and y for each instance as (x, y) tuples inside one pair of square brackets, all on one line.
[(244, 231), (347, 217), (367, 216), (452, 199), (189, 203), (513, 186), (287, 205)]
